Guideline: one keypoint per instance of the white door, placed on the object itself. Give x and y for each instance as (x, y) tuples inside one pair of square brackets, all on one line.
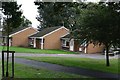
[(72, 45), (10, 42)]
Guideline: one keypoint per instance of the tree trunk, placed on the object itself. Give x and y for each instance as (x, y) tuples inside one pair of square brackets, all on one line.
[(107, 56)]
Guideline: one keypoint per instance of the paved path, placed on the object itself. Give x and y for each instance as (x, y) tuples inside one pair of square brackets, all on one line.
[(75, 70), (94, 56), (55, 67)]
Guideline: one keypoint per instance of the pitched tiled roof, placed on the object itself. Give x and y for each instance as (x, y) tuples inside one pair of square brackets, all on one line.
[(45, 31), (17, 29)]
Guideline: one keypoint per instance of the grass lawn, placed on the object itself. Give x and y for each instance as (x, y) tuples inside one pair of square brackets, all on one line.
[(23, 71), (95, 64), (29, 50)]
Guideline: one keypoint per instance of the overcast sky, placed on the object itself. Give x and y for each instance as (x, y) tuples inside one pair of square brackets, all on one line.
[(30, 10)]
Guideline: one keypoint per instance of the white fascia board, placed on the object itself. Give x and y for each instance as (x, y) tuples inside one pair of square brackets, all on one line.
[(65, 35), (35, 29), (66, 28), (55, 31), (20, 31), (37, 37)]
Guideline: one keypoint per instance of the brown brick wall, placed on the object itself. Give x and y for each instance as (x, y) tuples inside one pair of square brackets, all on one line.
[(76, 45), (52, 41), (21, 39), (94, 49)]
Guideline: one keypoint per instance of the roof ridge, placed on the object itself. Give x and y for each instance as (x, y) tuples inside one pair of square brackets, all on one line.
[(46, 31)]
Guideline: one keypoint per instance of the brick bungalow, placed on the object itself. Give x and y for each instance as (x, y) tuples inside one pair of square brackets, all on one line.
[(73, 45), (48, 38), (19, 37)]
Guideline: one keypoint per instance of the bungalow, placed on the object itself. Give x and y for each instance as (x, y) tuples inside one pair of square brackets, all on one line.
[(48, 38), (73, 45), (19, 37)]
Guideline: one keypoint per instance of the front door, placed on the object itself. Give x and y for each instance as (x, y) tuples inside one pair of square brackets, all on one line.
[(38, 45), (76, 46)]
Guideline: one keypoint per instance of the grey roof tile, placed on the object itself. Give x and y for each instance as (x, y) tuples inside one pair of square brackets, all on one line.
[(45, 31), (17, 29)]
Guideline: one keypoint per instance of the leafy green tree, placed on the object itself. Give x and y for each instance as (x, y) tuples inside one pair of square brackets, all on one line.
[(25, 22), (99, 24), (56, 14), (12, 20), (13, 15)]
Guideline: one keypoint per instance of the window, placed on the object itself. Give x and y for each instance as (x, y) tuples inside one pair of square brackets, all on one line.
[(31, 41), (65, 43)]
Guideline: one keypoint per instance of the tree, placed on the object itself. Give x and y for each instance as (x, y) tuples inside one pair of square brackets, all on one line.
[(56, 14), (13, 15), (13, 20), (25, 22), (99, 24)]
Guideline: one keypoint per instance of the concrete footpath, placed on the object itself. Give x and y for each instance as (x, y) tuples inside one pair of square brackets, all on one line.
[(82, 55), (59, 68)]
